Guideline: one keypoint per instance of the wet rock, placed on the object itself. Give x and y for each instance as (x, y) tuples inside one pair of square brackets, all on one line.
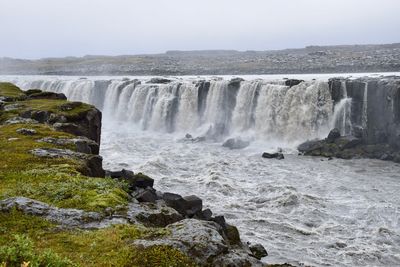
[(237, 258), (145, 195), (188, 136), (193, 204), (47, 95), (258, 251), (26, 131), (220, 220), (235, 81), (159, 80), (309, 146), (204, 215), (293, 82), (18, 120), (333, 135), (235, 143), (277, 155), (348, 142), (156, 214)]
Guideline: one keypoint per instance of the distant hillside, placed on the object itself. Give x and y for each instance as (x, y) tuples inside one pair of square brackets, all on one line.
[(311, 59)]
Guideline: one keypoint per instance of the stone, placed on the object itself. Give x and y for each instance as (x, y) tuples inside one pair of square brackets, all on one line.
[(156, 214), (333, 135), (235, 143), (258, 251), (146, 195), (26, 131), (193, 205), (82, 144), (175, 201), (309, 146), (188, 136), (69, 106), (200, 240), (273, 155), (206, 215), (220, 220), (232, 234), (293, 82), (40, 116)]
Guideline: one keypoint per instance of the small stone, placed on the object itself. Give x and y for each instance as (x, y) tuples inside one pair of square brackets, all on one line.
[(258, 251), (273, 155)]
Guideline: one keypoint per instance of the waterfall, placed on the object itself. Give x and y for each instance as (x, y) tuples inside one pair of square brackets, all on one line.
[(342, 113), (266, 110)]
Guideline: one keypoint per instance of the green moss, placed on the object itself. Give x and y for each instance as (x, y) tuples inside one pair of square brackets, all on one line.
[(52, 180), (10, 90), (105, 247)]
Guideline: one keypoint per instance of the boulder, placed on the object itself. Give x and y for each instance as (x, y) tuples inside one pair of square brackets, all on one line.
[(156, 214), (309, 146), (200, 240), (333, 135), (235, 143), (293, 82), (40, 115), (145, 195), (193, 204), (277, 155), (187, 206), (258, 251), (82, 144)]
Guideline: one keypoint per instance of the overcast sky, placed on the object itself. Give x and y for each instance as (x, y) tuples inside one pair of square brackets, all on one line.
[(53, 28)]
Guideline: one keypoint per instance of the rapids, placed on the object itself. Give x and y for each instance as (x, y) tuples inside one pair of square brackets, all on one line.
[(304, 210)]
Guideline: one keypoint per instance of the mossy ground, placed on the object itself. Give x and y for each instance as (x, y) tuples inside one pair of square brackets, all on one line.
[(57, 181), (105, 247)]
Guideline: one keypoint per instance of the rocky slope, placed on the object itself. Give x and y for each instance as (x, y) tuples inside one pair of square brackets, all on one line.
[(58, 207)]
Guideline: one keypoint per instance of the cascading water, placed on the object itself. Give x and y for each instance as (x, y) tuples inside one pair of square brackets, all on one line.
[(342, 113), (268, 110)]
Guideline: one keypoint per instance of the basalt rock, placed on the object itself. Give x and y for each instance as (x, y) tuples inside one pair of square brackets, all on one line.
[(82, 144), (159, 80), (26, 131), (277, 155), (293, 82), (258, 251), (235, 143)]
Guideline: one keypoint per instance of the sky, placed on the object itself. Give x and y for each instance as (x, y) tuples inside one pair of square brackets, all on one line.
[(57, 28)]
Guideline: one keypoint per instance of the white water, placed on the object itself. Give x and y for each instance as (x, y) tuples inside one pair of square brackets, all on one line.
[(303, 210)]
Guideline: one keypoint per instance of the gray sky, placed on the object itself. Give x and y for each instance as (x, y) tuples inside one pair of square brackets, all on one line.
[(53, 28)]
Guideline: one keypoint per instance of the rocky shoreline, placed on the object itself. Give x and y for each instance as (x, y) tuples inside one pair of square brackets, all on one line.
[(57, 143)]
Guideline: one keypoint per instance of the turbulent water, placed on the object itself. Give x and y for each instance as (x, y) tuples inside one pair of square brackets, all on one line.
[(303, 210)]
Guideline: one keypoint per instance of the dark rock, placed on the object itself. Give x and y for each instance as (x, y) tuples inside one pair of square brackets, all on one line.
[(83, 144), (232, 234), (235, 143), (175, 201), (26, 131), (159, 80), (71, 128), (293, 82), (333, 135), (258, 251), (139, 180), (69, 106), (47, 95), (193, 205), (206, 214), (40, 116), (347, 142), (188, 136), (273, 155), (309, 146), (146, 196), (220, 220), (235, 81)]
